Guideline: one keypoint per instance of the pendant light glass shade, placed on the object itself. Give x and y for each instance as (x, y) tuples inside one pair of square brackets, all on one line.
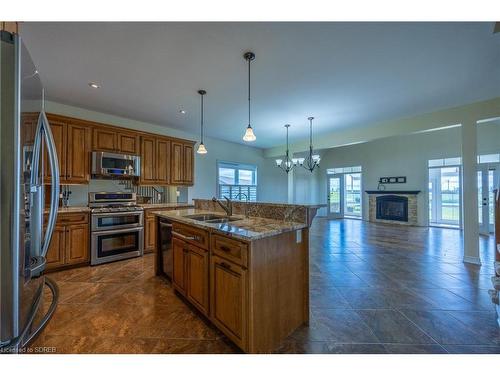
[(249, 134), (201, 147)]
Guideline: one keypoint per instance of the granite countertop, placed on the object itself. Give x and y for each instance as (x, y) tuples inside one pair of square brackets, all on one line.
[(148, 206), (70, 209), (248, 229)]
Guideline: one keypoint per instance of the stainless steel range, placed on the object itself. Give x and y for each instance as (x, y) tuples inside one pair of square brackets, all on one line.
[(117, 227)]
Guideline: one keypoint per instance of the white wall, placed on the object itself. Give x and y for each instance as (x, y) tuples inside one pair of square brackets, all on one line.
[(402, 156), (272, 186)]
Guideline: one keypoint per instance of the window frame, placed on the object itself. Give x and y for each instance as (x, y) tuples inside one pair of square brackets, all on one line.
[(237, 167)]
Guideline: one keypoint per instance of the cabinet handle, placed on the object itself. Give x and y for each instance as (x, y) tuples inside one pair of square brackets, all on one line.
[(193, 238), (225, 265), (226, 249)]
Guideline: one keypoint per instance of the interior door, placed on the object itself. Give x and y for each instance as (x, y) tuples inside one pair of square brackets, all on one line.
[(335, 199)]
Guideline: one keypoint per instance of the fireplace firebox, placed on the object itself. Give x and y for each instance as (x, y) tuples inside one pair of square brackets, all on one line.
[(392, 207)]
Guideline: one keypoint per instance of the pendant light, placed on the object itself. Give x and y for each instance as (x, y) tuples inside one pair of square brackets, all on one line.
[(312, 160), (201, 146), (249, 135), (287, 164)]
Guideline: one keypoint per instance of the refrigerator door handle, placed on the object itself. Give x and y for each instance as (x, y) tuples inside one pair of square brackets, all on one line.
[(54, 196), (40, 244)]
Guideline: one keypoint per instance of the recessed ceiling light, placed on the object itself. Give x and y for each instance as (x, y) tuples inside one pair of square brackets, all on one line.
[(182, 111), (94, 85)]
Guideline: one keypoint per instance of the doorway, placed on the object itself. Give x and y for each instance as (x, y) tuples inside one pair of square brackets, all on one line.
[(487, 182), (344, 193), (445, 196)]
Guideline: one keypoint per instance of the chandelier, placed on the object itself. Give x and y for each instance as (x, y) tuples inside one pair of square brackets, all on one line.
[(312, 160), (287, 164)]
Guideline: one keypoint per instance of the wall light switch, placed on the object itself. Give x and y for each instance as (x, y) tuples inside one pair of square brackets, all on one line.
[(298, 234)]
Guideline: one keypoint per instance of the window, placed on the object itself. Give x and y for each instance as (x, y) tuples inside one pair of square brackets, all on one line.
[(235, 178), (445, 162), (343, 170), (489, 158)]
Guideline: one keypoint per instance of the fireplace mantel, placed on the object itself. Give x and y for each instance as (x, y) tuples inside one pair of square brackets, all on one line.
[(406, 192)]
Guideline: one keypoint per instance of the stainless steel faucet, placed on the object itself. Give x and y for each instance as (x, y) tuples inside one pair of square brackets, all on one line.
[(246, 199), (226, 207)]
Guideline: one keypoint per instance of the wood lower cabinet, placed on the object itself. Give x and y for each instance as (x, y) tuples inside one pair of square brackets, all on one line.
[(179, 259), (149, 232), (69, 244), (55, 254), (77, 243), (228, 294), (256, 292), (197, 285)]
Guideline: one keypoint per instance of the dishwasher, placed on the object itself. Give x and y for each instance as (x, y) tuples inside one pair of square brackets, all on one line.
[(165, 258)]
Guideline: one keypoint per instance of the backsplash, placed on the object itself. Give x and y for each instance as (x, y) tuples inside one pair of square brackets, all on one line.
[(79, 193), (277, 211)]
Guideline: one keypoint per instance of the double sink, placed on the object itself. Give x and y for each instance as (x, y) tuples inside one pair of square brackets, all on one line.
[(213, 219)]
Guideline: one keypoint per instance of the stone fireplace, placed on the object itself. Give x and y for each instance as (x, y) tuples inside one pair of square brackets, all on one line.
[(395, 207)]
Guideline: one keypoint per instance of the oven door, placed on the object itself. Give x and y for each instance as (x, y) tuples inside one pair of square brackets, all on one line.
[(117, 244), (117, 220)]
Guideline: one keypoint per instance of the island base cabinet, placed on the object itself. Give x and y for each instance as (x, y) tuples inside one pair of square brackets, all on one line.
[(228, 292), (197, 278), (179, 259)]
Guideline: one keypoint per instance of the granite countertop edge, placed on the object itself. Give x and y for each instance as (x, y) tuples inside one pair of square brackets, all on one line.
[(233, 230)]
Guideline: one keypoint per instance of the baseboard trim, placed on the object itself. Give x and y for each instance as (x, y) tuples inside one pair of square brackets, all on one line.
[(472, 260)]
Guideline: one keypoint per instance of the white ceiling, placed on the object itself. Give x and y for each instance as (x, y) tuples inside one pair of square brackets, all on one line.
[(345, 74)]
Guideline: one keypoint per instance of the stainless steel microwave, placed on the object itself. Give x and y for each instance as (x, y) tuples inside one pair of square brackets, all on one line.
[(107, 164)]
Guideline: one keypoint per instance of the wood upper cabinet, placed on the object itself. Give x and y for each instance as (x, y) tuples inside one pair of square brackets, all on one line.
[(104, 139), (78, 154), (110, 139), (162, 161), (148, 160), (128, 143), (59, 133), (69, 244), (197, 267), (179, 259), (72, 143), (182, 163), (228, 298)]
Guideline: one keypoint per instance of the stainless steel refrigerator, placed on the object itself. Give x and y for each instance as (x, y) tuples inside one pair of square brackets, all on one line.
[(27, 157)]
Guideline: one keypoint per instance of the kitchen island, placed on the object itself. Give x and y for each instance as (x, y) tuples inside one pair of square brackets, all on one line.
[(248, 275)]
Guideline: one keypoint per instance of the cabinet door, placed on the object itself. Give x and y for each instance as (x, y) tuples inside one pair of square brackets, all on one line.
[(148, 156), (228, 292), (59, 132), (150, 238), (29, 121), (55, 253), (77, 243), (104, 139), (179, 255), (188, 164), (197, 290), (162, 161), (177, 163), (78, 154), (128, 143)]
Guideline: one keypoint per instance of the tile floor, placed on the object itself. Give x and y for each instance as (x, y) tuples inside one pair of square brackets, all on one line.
[(374, 289)]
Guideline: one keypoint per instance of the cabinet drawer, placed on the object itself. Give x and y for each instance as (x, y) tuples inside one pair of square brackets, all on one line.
[(233, 250), (196, 236), (80, 218)]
